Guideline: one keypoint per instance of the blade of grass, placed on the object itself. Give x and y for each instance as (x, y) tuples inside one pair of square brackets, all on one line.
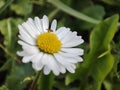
[(6, 5), (73, 12), (53, 13), (8, 53)]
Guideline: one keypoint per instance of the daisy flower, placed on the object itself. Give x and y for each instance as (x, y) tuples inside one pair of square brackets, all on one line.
[(49, 49)]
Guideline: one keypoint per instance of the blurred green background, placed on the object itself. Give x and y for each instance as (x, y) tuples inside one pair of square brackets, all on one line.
[(94, 20)]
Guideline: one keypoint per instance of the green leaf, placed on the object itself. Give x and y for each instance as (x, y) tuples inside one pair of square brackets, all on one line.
[(5, 5), (3, 87), (101, 68), (19, 72), (46, 82), (22, 7), (108, 85), (102, 35), (9, 29), (73, 12), (7, 65), (99, 54), (100, 39)]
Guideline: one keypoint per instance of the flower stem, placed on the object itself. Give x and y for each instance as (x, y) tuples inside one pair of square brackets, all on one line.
[(33, 85)]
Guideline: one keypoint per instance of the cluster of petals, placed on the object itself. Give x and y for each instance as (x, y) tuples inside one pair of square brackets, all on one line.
[(60, 62)]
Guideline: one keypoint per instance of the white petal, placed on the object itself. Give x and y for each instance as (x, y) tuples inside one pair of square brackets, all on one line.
[(46, 70), (28, 40), (63, 32), (71, 69), (67, 54), (22, 53), (60, 30), (62, 69), (50, 62), (38, 58), (28, 48), (74, 59), (78, 59), (45, 23), (37, 66), (73, 66), (24, 35), (67, 65), (22, 31), (44, 59), (38, 24), (53, 65), (27, 59), (70, 36), (76, 51), (30, 29), (53, 25), (68, 59), (73, 43), (37, 61), (32, 23), (60, 59)]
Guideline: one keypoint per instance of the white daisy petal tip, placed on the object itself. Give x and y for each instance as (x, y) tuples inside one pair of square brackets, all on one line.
[(30, 19), (49, 49), (36, 18), (27, 59), (45, 16), (36, 67), (82, 41), (18, 53), (54, 25)]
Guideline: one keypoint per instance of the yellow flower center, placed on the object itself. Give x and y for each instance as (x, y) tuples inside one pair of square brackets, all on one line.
[(48, 42)]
